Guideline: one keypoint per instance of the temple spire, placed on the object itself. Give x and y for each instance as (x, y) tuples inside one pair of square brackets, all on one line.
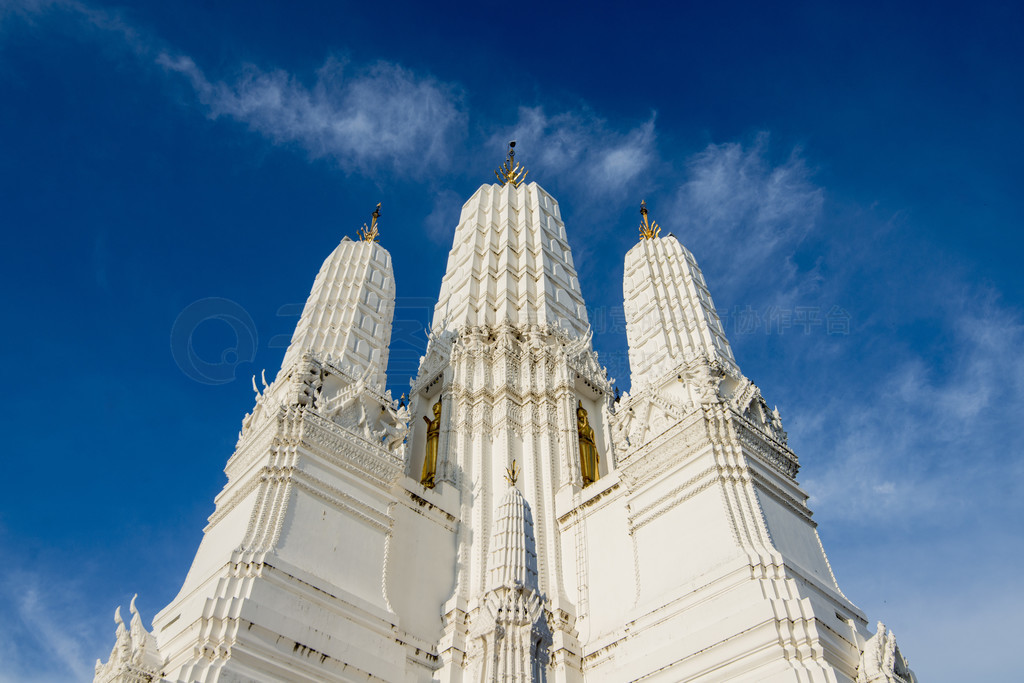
[(511, 640), (532, 279), (670, 317), (348, 314)]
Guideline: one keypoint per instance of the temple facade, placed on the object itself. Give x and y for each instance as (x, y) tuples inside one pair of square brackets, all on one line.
[(513, 521)]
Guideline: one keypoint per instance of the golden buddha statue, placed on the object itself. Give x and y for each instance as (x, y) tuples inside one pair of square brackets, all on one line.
[(430, 458), (588, 449)]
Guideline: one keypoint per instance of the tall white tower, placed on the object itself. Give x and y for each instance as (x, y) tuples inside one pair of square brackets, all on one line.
[(286, 582), (730, 581), (348, 314), (513, 523), (510, 363)]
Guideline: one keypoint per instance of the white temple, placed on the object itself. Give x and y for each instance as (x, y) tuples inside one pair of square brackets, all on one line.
[(514, 522)]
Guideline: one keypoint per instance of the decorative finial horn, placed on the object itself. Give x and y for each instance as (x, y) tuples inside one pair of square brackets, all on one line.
[(370, 234), (512, 474), (647, 230), (510, 171)]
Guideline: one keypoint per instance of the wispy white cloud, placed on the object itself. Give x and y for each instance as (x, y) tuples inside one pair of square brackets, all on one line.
[(363, 118), (744, 216), (366, 118), (31, 10), (883, 427), (584, 146), (100, 21), (933, 432), (54, 639), (443, 218), (592, 166), (888, 433)]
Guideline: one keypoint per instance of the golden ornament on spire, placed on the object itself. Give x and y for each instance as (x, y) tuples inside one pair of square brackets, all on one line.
[(510, 171), (369, 234), (512, 474), (650, 230)]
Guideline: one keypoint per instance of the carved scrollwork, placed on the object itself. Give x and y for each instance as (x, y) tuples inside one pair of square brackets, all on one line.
[(135, 656), (775, 455)]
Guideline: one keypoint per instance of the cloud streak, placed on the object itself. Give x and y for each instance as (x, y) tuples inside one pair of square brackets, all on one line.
[(582, 145), (103, 22), (363, 118), (932, 434), (881, 423), (744, 217), (48, 629)]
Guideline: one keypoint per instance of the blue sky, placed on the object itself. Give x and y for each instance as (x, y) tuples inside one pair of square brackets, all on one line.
[(847, 175)]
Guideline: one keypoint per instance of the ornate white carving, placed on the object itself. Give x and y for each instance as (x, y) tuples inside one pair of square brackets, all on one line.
[(773, 453), (364, 458), (748, 402), (705, 375), (881, 660), (511, 638), (645, 415), (135, 658), (664, 452)]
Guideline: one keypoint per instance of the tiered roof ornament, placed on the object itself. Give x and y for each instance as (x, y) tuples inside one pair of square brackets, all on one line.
[(510, 171), (650, 230), (370, 234)]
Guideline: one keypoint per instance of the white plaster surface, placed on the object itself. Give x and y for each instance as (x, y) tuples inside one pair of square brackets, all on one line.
[(348, 313), (510, 262), (670, 317)]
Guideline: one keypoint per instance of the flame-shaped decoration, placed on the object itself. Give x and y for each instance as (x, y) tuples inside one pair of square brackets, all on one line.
[(369, 234), (650, 230), (512, 474), (510, 171)]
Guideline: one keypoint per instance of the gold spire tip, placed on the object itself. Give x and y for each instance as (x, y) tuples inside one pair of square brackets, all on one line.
[(370, 234), (647, 230), (510, 171), (512, 474)]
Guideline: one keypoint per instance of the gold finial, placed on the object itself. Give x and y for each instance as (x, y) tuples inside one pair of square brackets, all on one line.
[(647, 230), (369, 234), (512, 474), (510, 171)]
